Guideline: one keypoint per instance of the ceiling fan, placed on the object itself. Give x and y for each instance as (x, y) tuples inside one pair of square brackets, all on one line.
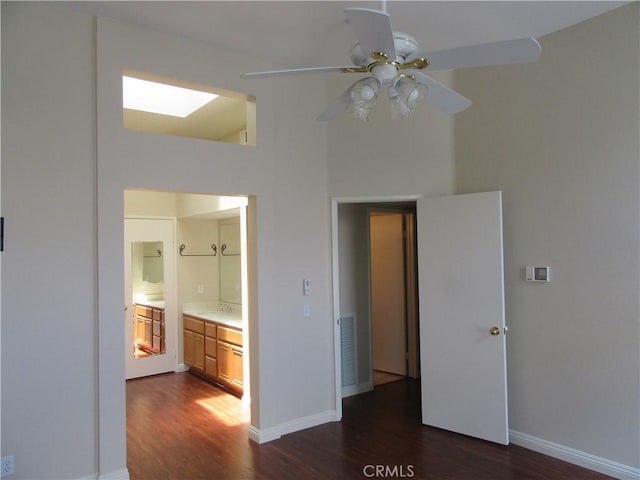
[(393, 62)]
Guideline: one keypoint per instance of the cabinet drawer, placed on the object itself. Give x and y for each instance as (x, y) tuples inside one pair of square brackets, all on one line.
[(230, 335), (210, 330), (157, 330), (143, 311), (210, 367), (158, 314), (193, 324), (210, 347)]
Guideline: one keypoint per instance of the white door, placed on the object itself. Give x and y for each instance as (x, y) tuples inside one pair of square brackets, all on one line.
[(461, 292), (150, 279)]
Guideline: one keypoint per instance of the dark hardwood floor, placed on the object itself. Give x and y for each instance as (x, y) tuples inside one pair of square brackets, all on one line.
[(180, 427)]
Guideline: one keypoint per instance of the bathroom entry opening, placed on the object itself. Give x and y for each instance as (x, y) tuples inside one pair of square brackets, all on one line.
[(201, 271)]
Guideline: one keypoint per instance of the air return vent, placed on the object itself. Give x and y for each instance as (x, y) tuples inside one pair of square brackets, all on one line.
[(348, 349)]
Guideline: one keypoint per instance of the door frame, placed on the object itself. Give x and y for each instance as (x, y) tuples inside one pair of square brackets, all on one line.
[(335, 201), (170, 291)]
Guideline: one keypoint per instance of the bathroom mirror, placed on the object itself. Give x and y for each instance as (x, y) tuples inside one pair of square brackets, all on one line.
[(230, 273), (147, 283), (152, 270)]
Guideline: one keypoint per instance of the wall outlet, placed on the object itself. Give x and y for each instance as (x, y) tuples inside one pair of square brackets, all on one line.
[(7, 466)]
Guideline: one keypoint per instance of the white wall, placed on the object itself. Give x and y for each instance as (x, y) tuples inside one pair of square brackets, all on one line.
[(353, 239), (51, 413), (560, 138), (387, 157), (153, 204), (48, 265), (286, 174), (197, 236)]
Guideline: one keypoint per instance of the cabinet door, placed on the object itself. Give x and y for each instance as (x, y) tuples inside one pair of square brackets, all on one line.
[(189, 347), (224, 367), (157, 344), (210, 367), (210, 347), (198, 351), (139, 330), (148, 332), (236, 366)]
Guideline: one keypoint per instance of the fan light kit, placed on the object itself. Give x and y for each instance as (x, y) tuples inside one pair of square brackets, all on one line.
[(394, 64)]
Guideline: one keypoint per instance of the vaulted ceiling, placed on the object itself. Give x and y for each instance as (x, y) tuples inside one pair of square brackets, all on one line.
[(297, 34)]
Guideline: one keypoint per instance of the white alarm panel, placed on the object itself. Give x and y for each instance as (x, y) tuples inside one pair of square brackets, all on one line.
[(537, 274)]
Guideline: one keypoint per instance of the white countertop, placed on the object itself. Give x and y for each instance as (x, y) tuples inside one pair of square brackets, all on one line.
[(223, 318), (152, 303)]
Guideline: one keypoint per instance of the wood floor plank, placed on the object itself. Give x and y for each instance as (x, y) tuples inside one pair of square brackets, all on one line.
[(181, 427)]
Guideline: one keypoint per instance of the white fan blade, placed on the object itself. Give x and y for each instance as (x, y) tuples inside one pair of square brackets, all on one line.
[(441, 96), (522, 50), (340, 106), (297, 71), (373, 31)]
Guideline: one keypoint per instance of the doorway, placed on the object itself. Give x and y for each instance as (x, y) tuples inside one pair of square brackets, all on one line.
[(150, 296), (184, 252), (461, 317), (392, 260)]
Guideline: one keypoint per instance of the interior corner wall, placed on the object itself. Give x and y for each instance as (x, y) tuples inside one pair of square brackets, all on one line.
[(560, 139), (48, 264)]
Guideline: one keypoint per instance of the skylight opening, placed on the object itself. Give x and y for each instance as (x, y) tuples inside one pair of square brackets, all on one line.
[(163, 99)]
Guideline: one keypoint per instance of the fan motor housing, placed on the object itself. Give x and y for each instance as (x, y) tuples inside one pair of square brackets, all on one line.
[(404, 43)]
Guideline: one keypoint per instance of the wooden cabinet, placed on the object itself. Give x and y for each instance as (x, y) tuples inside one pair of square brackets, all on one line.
[(149, 326), (230, 358), (210, 351), (194, 343), (214, 351), (230, 370)]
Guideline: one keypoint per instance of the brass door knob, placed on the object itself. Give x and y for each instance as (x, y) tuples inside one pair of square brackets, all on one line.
[(495, 331)]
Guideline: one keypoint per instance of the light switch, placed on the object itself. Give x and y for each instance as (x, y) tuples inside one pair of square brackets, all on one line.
[(306, 311)]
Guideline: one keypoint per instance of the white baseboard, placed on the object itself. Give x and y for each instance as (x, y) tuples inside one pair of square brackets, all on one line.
[(586, 460), (270, 434), (357, 389), (117, 475), (181, 367)]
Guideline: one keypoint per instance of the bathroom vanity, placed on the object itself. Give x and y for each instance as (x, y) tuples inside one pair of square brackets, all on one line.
[(149, 328), (213, 348)]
